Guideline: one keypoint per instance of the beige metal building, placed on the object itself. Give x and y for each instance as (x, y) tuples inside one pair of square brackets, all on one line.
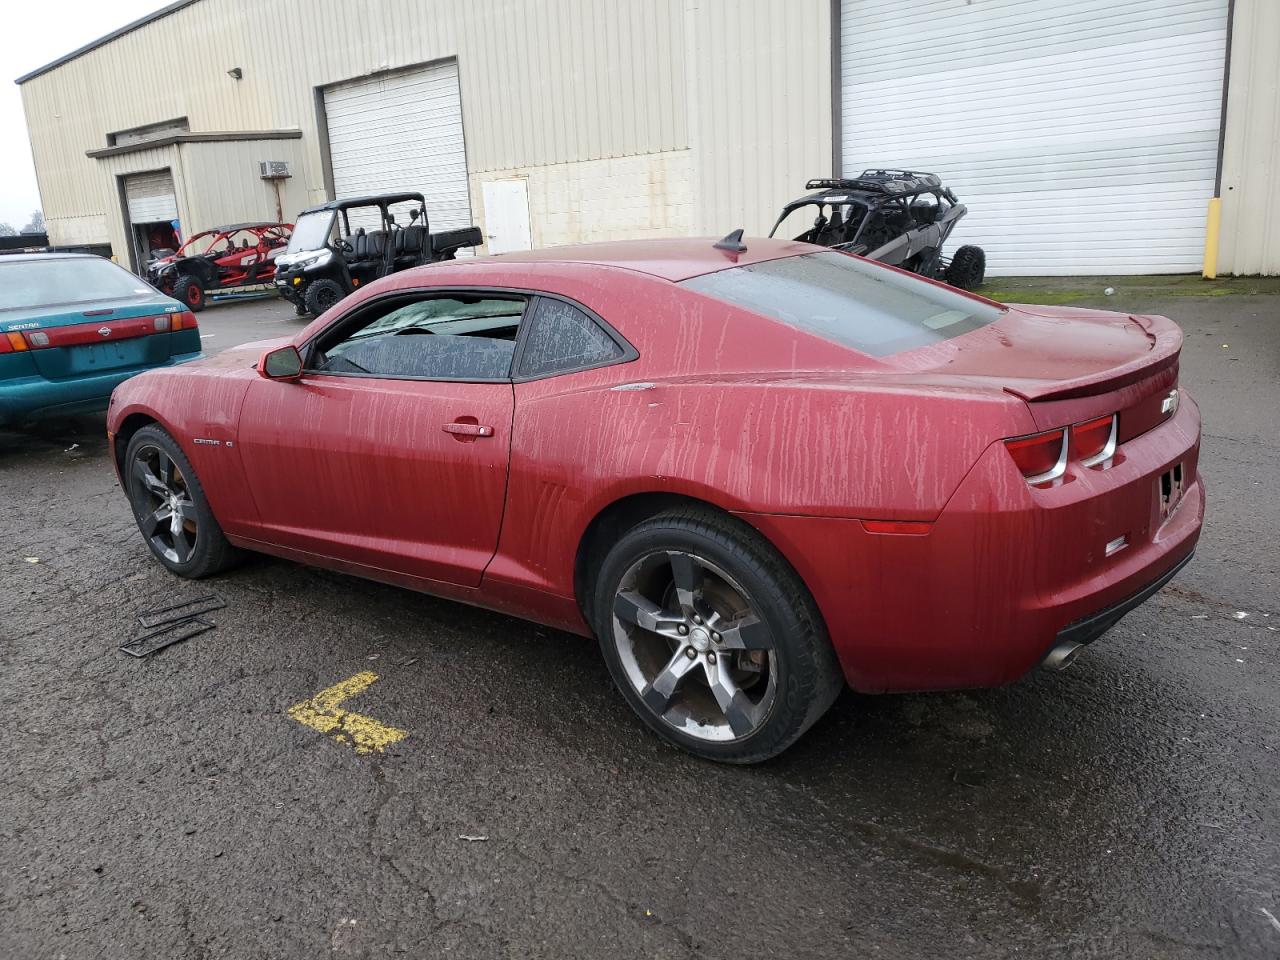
[(1086, 138)]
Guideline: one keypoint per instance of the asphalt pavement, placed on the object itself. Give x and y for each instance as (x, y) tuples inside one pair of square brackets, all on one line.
[(173, 807)]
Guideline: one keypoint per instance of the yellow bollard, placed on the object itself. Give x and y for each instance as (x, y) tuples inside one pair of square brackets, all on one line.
[(1211, 230)]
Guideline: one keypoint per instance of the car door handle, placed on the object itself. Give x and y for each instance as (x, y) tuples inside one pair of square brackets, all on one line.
[(459, 429)]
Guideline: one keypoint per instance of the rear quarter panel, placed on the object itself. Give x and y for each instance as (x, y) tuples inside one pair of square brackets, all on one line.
[(823, 437)]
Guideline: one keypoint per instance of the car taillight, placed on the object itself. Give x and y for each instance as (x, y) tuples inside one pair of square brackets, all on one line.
[(1095, 440), (1042, 457), (186, 320), (12, 342)]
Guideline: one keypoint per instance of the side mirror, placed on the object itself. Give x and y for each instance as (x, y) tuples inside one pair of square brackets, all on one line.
[(283, 363)]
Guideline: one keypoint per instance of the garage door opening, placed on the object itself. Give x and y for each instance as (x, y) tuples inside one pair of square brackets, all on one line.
[(152, 209)]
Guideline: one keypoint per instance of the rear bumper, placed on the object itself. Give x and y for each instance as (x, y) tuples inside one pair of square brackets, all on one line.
[(33, 398), (1090, 628), (1005, 571)]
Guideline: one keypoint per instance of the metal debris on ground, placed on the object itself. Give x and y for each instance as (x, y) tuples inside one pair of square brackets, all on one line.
[(166, 636), (473, 838), (181, 611), (31, 559), (173, 624)]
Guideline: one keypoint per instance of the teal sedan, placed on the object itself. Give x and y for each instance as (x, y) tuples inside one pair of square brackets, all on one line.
[(73, 326)]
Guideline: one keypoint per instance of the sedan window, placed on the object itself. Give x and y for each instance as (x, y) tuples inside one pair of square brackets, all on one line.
[(32, 283), (454, 337)]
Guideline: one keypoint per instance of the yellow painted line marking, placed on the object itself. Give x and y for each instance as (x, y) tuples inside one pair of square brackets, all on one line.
[(324, 713)]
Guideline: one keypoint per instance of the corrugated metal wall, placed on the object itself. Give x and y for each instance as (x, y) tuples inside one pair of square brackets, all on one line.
[(719, 108), (1250, 241), (760, 107), (230, 188), (544, 83)]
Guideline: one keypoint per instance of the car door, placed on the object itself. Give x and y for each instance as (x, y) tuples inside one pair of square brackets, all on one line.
[(391, 450)]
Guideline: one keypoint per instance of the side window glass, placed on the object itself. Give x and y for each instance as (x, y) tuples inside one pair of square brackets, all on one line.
[(454, 337), (561, 337)]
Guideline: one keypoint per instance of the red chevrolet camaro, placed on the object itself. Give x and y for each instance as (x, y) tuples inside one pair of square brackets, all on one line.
[(754, 474)]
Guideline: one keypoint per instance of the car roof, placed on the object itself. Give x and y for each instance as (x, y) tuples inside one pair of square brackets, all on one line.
[(670, 259), (27, 257)]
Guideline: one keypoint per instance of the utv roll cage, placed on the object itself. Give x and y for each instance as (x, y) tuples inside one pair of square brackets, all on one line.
[(329, 256), (899, 217)]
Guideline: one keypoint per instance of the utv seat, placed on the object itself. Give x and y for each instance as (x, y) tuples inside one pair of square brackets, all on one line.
[(833, 232), (409, 244), (375, 244)]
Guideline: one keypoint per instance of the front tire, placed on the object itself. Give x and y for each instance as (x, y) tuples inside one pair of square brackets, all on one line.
[(321, 295), (712, 638), (188, 290), (170, 507)]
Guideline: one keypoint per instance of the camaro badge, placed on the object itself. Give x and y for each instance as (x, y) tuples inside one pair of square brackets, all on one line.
[(105, 331)]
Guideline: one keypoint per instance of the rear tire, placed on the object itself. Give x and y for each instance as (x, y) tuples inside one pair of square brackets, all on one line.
[(712, 638), (321, 295), (968, 268), (171, 509), (188, 290)]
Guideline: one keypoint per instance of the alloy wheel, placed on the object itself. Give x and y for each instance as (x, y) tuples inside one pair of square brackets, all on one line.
[(694, 647), (163, 504)]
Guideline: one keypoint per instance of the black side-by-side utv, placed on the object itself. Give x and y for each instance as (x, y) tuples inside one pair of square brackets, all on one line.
[(899, 217), (344, 244)]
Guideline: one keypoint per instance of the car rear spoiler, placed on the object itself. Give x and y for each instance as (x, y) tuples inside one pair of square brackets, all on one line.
[(446, 242), (1166, 345)]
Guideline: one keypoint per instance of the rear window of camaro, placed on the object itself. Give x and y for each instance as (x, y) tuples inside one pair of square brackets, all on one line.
[(36, 283), (851, 302)]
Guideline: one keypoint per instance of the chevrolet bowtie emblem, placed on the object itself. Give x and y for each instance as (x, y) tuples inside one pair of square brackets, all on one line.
[(105, 331)]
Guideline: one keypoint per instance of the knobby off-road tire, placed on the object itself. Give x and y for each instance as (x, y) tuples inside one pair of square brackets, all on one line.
[(968, 268), (188, 290), (321, 295)]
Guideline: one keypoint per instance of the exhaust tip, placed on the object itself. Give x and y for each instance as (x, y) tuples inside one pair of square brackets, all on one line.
[(1062, 655)]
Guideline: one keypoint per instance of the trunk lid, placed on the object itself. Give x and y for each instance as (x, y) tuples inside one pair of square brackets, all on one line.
[(1067, 364), (68, 341)]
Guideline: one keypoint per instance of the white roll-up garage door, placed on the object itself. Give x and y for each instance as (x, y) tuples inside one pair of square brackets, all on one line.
[(402, 131), (1083, 136), (150, 197)]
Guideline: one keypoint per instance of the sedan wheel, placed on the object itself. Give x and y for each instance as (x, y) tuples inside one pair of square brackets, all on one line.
[(712, 637)]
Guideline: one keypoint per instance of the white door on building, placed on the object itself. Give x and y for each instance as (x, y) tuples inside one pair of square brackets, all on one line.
[(506, 215), (1083, 136), (402, 131)]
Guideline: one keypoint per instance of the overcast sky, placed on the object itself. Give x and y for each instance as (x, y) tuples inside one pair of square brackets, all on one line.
[(34, 34)]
